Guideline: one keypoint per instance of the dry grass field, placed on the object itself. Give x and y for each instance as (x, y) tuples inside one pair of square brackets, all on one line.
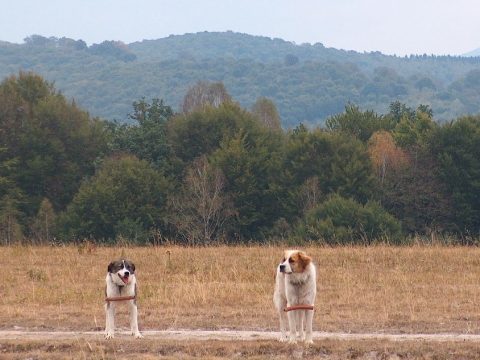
[(417, 289), (146, 349)]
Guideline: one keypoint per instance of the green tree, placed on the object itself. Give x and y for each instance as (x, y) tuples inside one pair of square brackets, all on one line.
[(415, 194), (53, 143), (202, 132), (340, 163), (126, 197), (340, 221), (247, 153), (361, 124), (412, 131), (8, 167), (456, 146), (251, 162), (398, 110), (146, 138)]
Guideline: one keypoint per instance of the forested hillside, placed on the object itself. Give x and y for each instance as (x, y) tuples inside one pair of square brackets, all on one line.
[(220, 172), (307, 82)]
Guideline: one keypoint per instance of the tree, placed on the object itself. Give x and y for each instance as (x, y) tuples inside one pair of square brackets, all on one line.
[(290, 60), (248, 155), (8, 167), (126, 198), (456, 146), (202, 132), (202, 209), (115, 49), (251, 162), (310, 194), (146, 138), (204, 94), (341, 221), (10, 199), (52, 141), (385, 154), (413, 131), (399, 110), (410, 187), (42, 229), (414, 193), (10, 228), (340, 162), (265, 110), (361, 124)]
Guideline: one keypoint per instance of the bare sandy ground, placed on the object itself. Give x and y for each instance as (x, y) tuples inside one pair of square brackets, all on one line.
[(232, 335)]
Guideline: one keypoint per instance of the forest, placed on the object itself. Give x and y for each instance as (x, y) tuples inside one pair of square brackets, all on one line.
[(216, 172), (307, 82)]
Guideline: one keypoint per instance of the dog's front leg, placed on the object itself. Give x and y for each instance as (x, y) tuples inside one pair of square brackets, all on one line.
[(292, 326), (309, 321), (110, 320), (283, 325), (134, 320), (300, 318)]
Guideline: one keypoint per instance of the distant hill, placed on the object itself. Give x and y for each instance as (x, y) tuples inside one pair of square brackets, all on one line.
[(307, 82), (475, 52)]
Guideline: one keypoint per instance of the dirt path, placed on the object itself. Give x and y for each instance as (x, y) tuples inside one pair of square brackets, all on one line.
[(233, 335)]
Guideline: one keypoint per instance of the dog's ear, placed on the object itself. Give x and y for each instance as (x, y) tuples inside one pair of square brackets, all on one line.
[(304, 259), (110, 267), (133, 266)]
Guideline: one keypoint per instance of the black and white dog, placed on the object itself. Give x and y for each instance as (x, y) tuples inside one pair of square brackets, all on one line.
[(121, 282)]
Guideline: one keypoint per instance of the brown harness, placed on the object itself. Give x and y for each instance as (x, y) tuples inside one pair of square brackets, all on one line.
[(120, 298), (298, 307)]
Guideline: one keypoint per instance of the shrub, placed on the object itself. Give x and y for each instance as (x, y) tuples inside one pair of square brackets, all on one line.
[(344, 221)]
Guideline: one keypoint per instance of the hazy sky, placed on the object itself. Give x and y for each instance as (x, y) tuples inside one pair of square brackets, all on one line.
[(390, 26)]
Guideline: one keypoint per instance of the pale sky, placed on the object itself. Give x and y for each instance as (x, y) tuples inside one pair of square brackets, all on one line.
[(391, 26)]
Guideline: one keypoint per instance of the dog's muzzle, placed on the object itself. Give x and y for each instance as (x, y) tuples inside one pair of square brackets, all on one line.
[(125, 277)]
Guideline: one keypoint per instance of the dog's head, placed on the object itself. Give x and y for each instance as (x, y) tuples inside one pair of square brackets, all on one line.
[(294, 261), (122, 271)]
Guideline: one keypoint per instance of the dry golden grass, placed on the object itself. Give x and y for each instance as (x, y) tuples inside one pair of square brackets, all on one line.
[(148, 350), (360, 289)]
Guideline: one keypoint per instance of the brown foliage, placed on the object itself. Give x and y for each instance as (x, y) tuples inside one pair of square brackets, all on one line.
[(385, 154)]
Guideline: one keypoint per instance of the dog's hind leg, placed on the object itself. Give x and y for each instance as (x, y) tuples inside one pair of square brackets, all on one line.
[(134, 320), (110, 320)]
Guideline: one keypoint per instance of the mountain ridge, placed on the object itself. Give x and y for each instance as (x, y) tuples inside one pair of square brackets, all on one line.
[(308, 82), (473, 53)]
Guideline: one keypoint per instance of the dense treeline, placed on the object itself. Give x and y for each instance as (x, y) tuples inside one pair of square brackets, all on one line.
[(218, 172), (308, 83)]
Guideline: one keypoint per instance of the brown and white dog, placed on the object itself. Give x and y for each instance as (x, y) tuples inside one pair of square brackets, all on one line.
[(295, 284), (120, 282)]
